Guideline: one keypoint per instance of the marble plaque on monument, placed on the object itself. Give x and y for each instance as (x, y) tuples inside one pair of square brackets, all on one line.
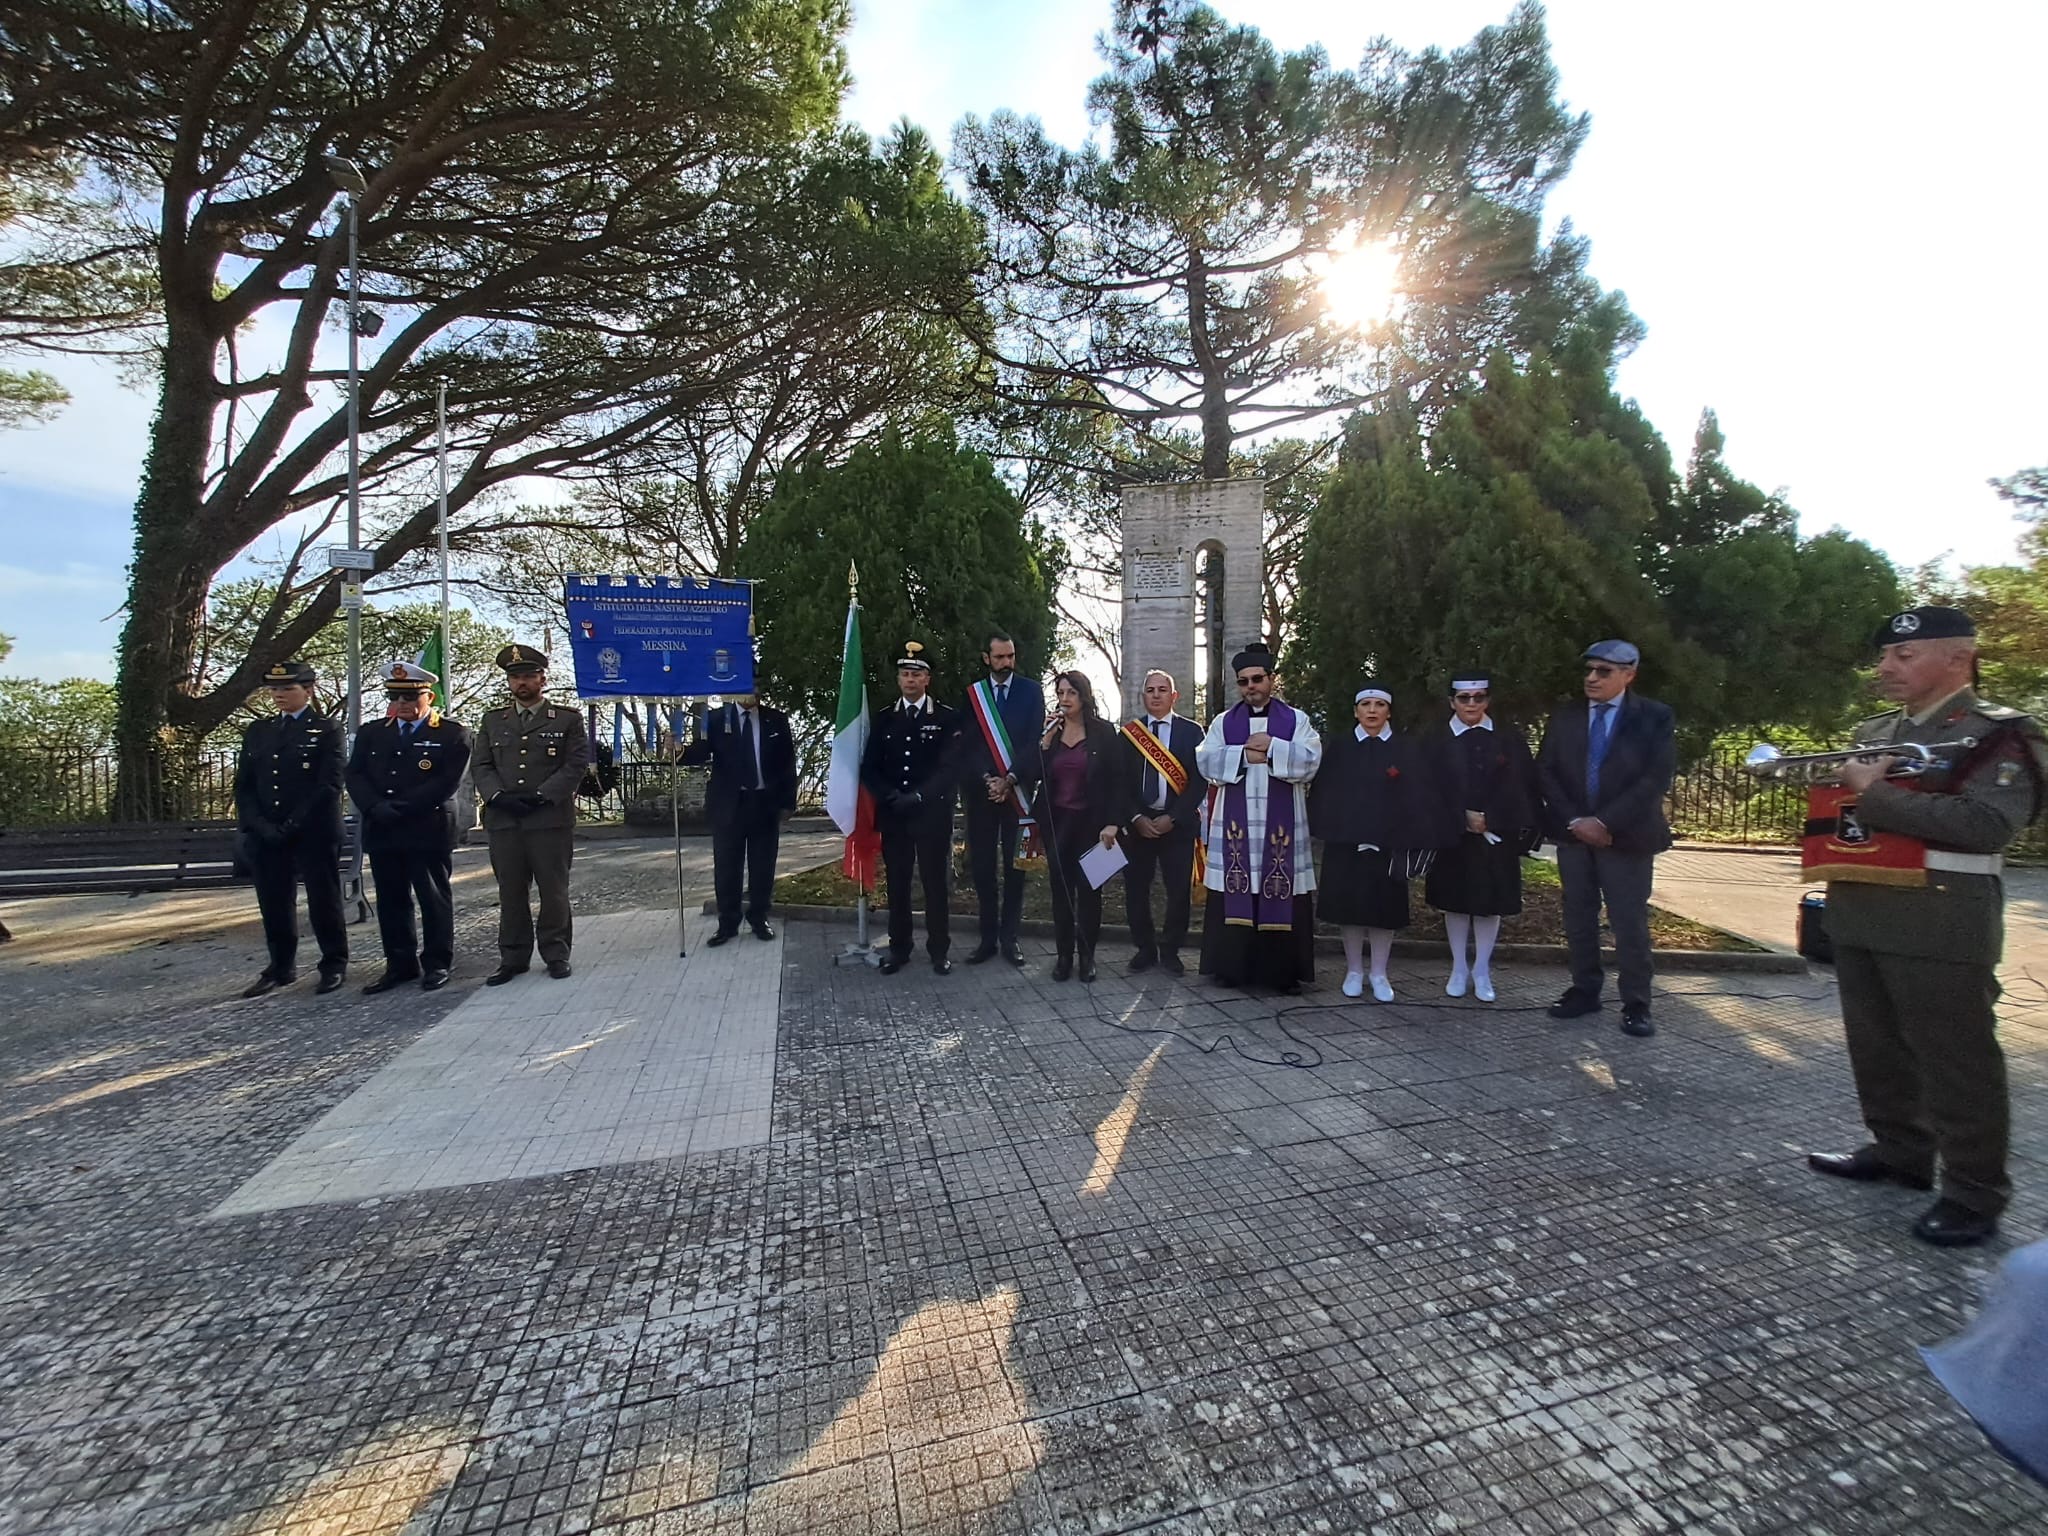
[(1160, 573)]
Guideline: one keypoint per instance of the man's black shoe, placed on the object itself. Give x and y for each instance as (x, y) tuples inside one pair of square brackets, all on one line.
[(890, 965), (942, 965), (982, 952), (1169, 962), (1636, 1021), (1063, 968), (1866, 1165), (724, 935), (763, 932), (1947, 1224), (559, 969), (434, 980), (1574, 1005), (390, 979), (330, 981), (503, 974), (1087, 970), (1013, 954), (1143, 960), (268, 983)]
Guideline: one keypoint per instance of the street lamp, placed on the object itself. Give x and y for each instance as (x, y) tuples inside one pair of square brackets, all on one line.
[(348, 178)]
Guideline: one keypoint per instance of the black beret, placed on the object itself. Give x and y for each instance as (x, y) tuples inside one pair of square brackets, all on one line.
[(1928, 623)]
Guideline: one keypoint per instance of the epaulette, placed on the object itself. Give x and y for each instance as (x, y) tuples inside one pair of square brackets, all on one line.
[(2002, 713)]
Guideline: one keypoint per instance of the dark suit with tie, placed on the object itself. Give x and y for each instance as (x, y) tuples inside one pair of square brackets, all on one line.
[(1634, 775), (1172, 857), (753, 784), (992, 825)]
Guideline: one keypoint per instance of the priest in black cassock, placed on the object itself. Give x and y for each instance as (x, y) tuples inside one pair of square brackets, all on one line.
[(1259, 757), (1380, 822)]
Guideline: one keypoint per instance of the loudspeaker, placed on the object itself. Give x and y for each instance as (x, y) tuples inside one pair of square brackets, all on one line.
[(1814, 942)]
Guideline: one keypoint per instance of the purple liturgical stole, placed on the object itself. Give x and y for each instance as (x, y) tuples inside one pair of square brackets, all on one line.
[(1269, 903)]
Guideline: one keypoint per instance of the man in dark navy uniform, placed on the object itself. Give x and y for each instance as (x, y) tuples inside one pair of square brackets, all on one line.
[(909, 769), (402, 774), (753, 788), (288, 804)]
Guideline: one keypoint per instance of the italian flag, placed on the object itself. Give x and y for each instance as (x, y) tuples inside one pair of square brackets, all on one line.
[(850, 806)]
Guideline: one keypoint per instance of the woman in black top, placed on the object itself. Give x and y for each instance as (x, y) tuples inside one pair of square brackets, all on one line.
[(1485, 773), (1077, 805), (1371, 805)]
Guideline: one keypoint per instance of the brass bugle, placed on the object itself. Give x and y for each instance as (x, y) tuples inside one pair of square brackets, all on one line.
[(1915, 758)]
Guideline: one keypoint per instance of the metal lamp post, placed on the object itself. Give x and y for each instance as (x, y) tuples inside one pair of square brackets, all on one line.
[(349, 179)]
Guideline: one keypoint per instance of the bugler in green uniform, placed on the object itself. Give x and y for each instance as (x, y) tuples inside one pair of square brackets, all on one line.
[(1916, 964), (529, 758)]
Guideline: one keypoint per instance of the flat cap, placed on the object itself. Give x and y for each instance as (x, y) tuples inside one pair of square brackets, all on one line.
[(290, 674), (1927, 623), (522, 658), (1620, 652)]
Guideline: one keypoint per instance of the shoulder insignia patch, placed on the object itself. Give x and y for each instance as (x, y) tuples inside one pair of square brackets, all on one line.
[(2008, 774)]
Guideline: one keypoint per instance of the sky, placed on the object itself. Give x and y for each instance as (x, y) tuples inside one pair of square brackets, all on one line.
[(1827, 216)]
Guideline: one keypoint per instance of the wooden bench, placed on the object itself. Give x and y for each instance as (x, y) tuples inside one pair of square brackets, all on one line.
[(127, 857)]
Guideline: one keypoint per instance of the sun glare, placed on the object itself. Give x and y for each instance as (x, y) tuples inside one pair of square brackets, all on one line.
[(1361, 284)]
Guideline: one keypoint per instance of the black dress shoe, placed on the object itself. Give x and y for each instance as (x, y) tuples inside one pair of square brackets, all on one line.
[(942, 965), (1947, 1224), (982, 952), (1087, 971), (559, 969), (763, 932), (1866, 1165), (1063, 968), (1013, 954), (1169, 962), (434, 980), (1143, 960), (1636, 1021), (1574, 1005), (890, 965), (267, 983), (503, 974), (723, 936), (391, 979), (330, 981)]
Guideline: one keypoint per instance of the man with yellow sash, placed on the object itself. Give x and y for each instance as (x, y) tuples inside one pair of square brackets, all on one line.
[(1163, 791), (1916, 959)]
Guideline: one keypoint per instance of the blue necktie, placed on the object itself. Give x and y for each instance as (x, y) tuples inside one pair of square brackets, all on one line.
[(1002, 695), (1596, 751)]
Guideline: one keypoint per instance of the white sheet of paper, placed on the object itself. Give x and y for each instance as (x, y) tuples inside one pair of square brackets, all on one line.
[(1099, 863)]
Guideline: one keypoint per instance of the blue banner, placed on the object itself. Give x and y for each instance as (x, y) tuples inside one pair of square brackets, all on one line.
[(659, 637)]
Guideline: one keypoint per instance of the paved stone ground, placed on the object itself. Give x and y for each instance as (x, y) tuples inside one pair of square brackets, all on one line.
[(1002, 1256)]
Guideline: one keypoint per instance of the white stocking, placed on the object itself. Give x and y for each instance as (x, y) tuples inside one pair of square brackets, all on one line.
[(1382, 946), (1354, 950), (1458, 928), (1484, 931)]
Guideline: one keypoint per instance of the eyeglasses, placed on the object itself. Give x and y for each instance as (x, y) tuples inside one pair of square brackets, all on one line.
[(1470, 698), (1246, 680)]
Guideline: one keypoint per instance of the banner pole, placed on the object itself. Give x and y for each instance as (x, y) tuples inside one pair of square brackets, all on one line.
[(675, 803)]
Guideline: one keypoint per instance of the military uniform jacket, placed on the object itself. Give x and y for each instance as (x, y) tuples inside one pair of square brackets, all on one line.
[(1978, 806), (418, 774), (544, 757), (289, 775), (916, 753)]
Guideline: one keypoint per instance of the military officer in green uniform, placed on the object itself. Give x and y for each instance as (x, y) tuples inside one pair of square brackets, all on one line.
[(1916, 963), (528, 759), (288, 807)]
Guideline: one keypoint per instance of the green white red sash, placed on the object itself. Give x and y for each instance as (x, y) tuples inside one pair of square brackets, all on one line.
[(981, 698)]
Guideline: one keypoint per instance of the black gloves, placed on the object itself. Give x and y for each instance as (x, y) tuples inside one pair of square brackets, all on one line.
[(519, 805), (535, 802), (264, 830), (904, 801), (384, 810)]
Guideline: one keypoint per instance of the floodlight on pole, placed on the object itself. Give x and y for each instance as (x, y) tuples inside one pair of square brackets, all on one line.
[(348, 178)]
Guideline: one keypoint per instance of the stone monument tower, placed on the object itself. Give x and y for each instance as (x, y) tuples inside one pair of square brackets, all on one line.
[(1194, 557)]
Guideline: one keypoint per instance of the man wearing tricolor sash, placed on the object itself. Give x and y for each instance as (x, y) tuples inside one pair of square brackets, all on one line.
[(1164, 789), (999, 768), (1259, 758)]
